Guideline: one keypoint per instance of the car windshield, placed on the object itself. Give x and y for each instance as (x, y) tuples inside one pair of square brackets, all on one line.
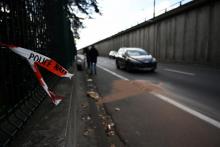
[(136, 52)]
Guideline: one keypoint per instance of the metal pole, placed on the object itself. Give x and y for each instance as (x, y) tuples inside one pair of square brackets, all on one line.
[(154, 8)]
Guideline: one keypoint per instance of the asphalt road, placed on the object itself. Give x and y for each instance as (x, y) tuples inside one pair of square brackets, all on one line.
[(176, 106)]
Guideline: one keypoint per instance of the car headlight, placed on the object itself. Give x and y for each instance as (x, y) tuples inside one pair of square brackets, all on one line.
[(154, 60)]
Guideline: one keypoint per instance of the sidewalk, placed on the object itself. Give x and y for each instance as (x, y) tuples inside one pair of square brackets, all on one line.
[(76, 122)]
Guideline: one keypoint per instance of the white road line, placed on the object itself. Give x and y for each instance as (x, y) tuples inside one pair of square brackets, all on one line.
[(187, 109), (170, 101), (180, 72), (113, 73)]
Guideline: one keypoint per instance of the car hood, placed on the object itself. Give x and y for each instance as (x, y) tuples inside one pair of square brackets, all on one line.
[(144, 59)]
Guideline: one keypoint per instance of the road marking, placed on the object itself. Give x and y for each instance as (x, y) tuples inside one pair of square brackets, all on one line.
[(187, 109), (113, 73), (180, 72), (175, 103)]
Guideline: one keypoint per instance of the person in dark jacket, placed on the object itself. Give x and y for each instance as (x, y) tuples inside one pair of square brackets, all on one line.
[(93, 54)]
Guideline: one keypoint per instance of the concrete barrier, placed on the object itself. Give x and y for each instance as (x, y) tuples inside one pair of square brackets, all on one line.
[(187, 34)]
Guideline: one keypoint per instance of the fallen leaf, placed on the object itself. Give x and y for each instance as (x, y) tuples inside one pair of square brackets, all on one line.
[(89, 80), (86, 133), (88, 118), (93, 95), (117, 109)]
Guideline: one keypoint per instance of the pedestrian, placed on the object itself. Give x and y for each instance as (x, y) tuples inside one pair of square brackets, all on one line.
[(93, 54), (86, 52)]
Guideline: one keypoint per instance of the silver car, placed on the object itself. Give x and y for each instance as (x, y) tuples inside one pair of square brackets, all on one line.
[(112, 54), (80, 62)]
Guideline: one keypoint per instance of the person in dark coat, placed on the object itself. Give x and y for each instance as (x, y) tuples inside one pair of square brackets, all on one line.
[(93, 54)]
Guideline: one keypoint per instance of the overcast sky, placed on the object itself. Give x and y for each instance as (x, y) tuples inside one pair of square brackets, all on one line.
[(118, 15)]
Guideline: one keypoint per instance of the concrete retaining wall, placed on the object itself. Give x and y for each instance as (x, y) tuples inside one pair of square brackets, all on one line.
[(188, 34)]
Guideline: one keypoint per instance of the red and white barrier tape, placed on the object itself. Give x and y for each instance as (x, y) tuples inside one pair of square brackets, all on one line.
[(35, 59)]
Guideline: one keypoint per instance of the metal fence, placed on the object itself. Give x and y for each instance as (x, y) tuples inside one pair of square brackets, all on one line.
[(172, 6), (39, 25)]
